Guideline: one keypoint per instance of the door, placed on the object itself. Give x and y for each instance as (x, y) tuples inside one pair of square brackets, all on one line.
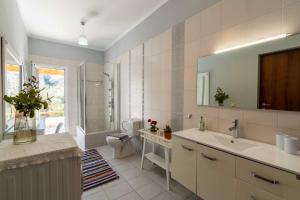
[(52, 81), (279, 80)]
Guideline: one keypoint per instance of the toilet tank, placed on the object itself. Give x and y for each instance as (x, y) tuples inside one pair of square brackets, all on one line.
[(133, 125)]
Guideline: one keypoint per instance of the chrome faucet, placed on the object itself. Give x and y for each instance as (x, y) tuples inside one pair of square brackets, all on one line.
[(235, 128)]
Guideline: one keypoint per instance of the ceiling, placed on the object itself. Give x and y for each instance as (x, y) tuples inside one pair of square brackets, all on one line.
[(107, 20)]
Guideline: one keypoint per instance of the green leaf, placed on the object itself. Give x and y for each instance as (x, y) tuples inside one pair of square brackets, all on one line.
[(31, 114)]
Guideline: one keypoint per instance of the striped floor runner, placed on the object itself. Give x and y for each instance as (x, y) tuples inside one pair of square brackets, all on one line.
[(95, 170)]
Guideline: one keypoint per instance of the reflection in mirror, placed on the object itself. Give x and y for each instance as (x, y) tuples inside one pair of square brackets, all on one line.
[(263, 76), (12, 83), (203, 89)]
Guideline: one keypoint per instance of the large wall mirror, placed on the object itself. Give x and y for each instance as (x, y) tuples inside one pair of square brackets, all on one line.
[(262, 76), (11, 83)]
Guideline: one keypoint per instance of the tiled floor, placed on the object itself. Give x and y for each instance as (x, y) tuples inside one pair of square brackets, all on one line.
[(136, 184)]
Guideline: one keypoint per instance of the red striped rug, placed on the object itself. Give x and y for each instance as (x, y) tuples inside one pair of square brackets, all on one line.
[(95, 170)]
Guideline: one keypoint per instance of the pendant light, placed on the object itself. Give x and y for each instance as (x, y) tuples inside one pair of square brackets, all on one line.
[(82, 41)]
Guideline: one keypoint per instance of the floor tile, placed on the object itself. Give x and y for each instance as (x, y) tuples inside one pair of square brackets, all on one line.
[(118, 190), (179, 192), (92, 191), (137, 184), (122, 167), (139, 181), (149, 191), (163, 196), (113, 183), (130, 173), (96, 196), (131, 196)]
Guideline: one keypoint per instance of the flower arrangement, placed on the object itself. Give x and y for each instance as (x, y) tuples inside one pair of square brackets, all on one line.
[(26, 103), (152, 124), (29, 99), (221, 96)]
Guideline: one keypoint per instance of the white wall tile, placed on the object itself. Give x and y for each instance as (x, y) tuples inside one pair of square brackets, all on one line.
[(233, 12)]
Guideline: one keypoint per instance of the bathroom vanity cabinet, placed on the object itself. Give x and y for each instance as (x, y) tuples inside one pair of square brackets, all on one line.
[(213, 173)]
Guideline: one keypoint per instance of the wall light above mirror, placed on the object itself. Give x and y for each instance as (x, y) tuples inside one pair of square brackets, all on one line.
[(262, 76)]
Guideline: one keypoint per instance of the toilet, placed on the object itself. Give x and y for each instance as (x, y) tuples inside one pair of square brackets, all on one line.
[(124, 148)]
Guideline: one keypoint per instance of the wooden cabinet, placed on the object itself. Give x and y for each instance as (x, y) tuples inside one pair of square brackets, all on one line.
[(55, 180), (183, 167), (215, 174)]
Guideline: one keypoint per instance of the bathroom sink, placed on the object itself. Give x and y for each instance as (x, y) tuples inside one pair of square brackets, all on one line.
[(234, 144)]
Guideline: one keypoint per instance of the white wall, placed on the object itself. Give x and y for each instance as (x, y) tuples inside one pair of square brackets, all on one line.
[(226, 23), (61, 51), (12, 28), (170, 14)]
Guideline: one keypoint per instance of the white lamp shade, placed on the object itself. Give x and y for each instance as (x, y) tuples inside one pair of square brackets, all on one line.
[(83, 40)]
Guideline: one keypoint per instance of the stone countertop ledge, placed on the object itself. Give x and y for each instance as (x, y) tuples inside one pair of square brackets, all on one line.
[(47, 148), (263, 153)]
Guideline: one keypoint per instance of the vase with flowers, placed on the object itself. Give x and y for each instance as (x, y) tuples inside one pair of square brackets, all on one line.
[(26, 103), (152, 124)]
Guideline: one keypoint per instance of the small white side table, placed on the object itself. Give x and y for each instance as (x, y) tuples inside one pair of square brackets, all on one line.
[(154, 158)]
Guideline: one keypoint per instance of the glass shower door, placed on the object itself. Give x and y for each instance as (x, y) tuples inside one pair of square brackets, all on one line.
[(98, 98)]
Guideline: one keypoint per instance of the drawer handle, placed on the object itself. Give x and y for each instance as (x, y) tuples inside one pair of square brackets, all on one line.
[(208, 157), (252, 197), (187, 148), (274, 182)]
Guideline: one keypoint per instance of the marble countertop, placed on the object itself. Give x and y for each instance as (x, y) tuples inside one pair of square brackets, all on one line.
[(46, 148), (259, 152)]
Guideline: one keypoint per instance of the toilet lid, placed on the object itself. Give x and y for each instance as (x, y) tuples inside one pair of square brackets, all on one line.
[(113, 140)]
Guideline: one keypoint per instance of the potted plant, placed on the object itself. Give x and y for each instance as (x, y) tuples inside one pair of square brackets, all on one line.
[(221, 96), (168, 132), (153, 124), (26, 103)]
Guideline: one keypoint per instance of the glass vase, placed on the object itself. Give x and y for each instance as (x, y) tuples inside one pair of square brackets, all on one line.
[(24, 129)]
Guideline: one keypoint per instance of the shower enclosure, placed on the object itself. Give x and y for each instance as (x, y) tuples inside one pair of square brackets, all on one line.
[(98, 102)]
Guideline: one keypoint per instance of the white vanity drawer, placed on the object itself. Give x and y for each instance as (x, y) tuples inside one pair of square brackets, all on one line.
[(275, 181), (215, 174), (246, 191), (183, 167)]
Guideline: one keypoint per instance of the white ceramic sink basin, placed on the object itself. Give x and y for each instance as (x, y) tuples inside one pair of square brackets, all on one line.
[(234, 144)]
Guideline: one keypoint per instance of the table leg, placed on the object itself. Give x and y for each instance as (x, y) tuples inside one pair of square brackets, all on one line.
[(167, 163), (153, 147), (143, 153)]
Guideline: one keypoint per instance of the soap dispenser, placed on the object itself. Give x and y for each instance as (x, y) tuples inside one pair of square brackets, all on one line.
[(202, 124)]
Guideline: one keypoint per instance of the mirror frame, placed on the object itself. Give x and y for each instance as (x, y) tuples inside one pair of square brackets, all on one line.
[(6, 48)]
